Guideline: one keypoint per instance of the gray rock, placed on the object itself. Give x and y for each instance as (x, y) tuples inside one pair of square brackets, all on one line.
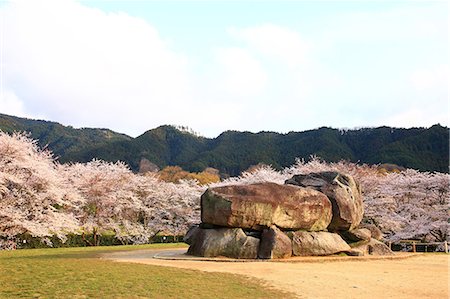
[(191, 234), (274, 244), (375, 232), (258, 206), (344, 193), (354, 252), (317, 243), (374, 247), (228, 242), (356, 235)]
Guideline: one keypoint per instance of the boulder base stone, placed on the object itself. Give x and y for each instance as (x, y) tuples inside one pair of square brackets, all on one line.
[(189, 237), (258, 206), (228, 242), (343, 192), (356, 235), (354, 252), (274, 244), (374, 247), (317, 243), (374, 231)]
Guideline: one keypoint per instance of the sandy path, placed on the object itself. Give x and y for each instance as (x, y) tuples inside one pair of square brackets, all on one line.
[(424, 276)]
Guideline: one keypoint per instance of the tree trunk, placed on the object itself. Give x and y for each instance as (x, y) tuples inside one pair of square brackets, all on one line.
[(83, 236), (96, 237), (150, 240)]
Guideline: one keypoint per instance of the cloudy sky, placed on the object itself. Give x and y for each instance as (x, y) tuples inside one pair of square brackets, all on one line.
[(226, 65)]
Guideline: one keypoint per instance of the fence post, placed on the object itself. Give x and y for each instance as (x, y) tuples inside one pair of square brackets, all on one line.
[(446, 247), (414, 247), (390, 245)]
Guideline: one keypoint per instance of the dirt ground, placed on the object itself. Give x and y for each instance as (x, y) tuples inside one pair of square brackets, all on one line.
[(422, 276)]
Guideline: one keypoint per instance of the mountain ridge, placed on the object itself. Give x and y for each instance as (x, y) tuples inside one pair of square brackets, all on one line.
[(234, 151)]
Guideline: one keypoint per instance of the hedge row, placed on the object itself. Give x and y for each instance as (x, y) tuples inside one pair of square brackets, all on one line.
[(26, 241)]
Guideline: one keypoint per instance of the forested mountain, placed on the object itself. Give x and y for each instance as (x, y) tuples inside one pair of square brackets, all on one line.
[(64, 141), (233, 151)]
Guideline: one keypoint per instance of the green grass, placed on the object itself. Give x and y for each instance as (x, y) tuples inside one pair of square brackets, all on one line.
[(79, 273)]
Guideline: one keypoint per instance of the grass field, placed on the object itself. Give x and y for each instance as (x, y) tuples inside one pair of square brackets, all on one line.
[(79, 273)]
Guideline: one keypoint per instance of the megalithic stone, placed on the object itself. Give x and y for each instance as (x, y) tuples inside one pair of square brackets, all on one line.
[(258, 206), (317, 243), (274, 244), (229, 242), (344, 193)]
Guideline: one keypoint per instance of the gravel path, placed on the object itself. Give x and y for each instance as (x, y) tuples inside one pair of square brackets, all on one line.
[(421, 276)]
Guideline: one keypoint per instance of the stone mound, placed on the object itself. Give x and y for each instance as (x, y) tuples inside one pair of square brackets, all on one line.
[(310, 215)]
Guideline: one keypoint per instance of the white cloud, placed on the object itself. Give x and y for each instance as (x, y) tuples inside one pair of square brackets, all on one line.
[(85, 67), (425, 20), (240, 73), (425, 116), (11, 104), (276, 42), (432, 78)]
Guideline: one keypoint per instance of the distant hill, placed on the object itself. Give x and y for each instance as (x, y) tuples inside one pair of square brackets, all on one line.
[(233, 151), (62, 140)]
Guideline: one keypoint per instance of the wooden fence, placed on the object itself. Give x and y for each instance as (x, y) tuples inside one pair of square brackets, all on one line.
[(415, 243)]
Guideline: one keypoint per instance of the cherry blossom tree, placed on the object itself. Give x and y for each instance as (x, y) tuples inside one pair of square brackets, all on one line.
[(110, 202), (33, 197), (134, 207), (264, 173), (173, 207), (409, 205)]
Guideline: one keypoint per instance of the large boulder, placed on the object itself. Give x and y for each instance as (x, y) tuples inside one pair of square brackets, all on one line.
[(274, 244), (190, 236), (344, 193), (356, 235), (258, 206), (354, 252), (374, 247), (374, 231), (317, 243), (228, 242)]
